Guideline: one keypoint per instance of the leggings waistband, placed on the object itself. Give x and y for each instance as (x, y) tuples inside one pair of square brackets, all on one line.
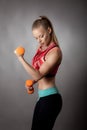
[(48, 91)]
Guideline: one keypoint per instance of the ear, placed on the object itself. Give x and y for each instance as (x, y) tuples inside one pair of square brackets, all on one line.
[(49, 30)]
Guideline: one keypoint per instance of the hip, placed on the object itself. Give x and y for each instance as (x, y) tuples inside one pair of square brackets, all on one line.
[(52, 101)]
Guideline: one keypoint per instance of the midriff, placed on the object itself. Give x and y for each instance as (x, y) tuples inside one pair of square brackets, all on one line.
[(46, 83)]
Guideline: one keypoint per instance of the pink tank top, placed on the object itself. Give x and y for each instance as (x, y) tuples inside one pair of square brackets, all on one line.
[(39, 59)]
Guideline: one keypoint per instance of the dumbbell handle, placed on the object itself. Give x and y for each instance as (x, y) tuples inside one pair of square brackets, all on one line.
[(29, 85)]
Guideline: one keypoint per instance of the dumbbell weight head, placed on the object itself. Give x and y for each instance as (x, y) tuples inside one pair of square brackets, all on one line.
[(30, 90), (19, 51)]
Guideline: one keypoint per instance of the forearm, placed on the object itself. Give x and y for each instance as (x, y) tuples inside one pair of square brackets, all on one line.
[(36, 75)]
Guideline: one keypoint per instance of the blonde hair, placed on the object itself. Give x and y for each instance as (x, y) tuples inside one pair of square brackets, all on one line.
[(45, 22)]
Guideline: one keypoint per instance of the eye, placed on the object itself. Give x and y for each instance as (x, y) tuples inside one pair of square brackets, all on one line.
[(42, 36), (36, 38)]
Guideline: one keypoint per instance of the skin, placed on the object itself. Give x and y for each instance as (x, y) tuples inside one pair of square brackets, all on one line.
[(53, 58)]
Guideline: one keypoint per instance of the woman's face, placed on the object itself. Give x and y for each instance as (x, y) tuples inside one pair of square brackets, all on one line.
[(42, 35)]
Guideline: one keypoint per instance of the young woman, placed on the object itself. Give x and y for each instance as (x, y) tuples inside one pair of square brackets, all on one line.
[(43, 70)]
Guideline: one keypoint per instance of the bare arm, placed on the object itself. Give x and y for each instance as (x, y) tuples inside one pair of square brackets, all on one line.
[(34, 73), (52, 59)]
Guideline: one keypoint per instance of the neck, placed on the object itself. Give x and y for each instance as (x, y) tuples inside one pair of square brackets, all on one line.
[(45, 47)]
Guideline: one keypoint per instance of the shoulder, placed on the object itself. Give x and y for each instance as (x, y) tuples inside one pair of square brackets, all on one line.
[(54, 56), (54, 52)]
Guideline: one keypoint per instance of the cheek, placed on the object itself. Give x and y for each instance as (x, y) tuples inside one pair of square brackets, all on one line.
[(46, 38)]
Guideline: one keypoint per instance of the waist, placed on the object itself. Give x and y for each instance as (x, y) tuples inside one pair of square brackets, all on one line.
[(48, 91)]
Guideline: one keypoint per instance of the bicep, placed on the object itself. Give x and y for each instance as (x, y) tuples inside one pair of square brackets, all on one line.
[(52, 60)]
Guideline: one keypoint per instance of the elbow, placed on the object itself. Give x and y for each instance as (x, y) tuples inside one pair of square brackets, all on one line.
[(37, 76)]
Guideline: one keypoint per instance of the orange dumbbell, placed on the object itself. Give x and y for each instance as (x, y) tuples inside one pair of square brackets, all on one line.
[(29, 85), (19, 51)]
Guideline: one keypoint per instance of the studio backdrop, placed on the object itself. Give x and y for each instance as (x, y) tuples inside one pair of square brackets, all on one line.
[(69, 21)]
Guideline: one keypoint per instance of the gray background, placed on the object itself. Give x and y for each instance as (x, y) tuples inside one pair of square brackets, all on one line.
[(69, 21)]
